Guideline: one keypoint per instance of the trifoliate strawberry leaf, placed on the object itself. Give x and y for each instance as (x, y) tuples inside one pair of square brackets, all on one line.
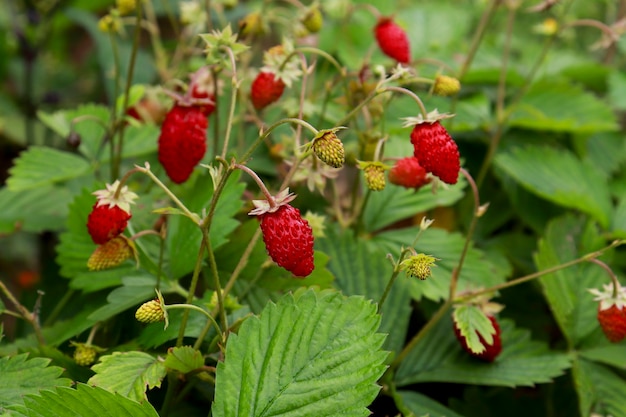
[(566, 239), (542, 108), (34, 210), (84, 401), (359, 270), (22, 376), (421, 405), (184, 237), (130, 374), (439, 357), (600, 390), (559, 176), (396, 203), (39, 166), (311, 354), (477, 271), (184, 359), (470, 319)]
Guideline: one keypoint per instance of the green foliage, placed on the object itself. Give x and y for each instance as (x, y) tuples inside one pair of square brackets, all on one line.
[(309, 354), (472, 322), (184, 359), (130, 374), (421, 405), (22, 376), (84, 401)]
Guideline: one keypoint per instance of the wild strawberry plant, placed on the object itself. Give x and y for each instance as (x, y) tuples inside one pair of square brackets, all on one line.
[(313, 208)]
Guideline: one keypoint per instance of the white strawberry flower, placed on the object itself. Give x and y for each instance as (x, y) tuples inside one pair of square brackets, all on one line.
[(606, 297), (107, 196)]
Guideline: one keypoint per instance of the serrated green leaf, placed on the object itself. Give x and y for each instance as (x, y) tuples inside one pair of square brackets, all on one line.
[(184, 237), (567, 238), (396, 203), (439, 358), (421, 405), (598, 385), (22, 376), (617, 89), (477, 270), (361, 271), (130, 374), (542, 108), (311, 354), (39, 166), (472, 322), (34, 210), (84, 401), (558, 176), (184, 359), (610, 354)]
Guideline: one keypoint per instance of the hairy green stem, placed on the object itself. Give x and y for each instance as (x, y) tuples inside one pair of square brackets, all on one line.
[(192, 290), (233, 101), (196, 308)]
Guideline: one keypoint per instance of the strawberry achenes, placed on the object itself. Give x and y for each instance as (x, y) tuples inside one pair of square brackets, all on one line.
[(106, 222), (436, 151), (491, 351), (266, 89), (392, 40), (182, 142), (408, 173), (613, 322), (288, 239)]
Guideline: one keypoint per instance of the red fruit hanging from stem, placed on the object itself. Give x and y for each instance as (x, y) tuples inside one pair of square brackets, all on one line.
[(392, 40)]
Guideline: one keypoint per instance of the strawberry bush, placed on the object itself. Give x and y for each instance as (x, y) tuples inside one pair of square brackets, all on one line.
[(305, 208)]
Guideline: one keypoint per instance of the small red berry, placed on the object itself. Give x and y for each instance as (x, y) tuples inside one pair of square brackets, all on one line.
[(491, 351), (408, 173), (106, 222), (612, 311), (266, 89), (392, 40), (182, 143), (436, 151)]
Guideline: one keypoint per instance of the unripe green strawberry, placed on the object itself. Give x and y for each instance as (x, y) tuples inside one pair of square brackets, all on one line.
[(328, 148), (112, 253), (150, 312), (313, 19), (374, 173), (419, 265), (84, 355), (446, 86)]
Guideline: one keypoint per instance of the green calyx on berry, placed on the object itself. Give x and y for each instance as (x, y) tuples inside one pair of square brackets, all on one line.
[(419, 265), (374, 173), (328, 148), (108, 196), (218, 41)]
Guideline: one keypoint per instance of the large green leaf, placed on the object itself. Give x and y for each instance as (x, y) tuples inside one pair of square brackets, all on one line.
[(559, 176), (421, 405), (34, 210), (184, 237), (184, 359), (128, 373), (439, 358), (311, 354), (477, 269), (84, 401), (599, 387), (39, 166), (134, 291), (560, 106), (396, 203), (573, 307), (22, 376), (361, 271)]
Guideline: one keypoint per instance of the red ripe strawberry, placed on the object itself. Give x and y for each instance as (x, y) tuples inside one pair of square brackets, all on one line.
[(491, 351), (266, 89), (392, 40), (612, 311), (106, 222), (436, 151), (408, 173), (182, 142), (288, 237)]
